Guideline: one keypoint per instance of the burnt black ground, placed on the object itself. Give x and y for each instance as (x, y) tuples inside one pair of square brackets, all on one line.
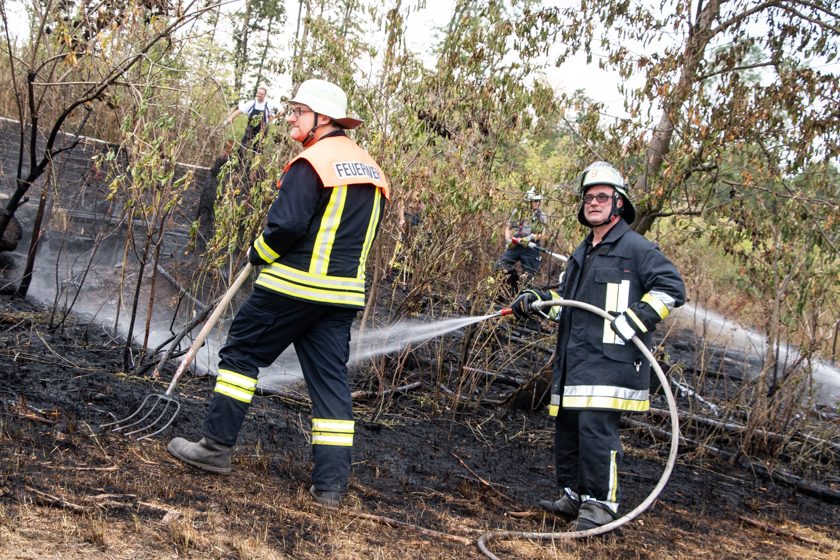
[(414, 459)]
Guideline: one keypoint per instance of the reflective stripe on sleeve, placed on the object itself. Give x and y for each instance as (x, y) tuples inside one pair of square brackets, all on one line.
[(661, 302), (265, 252)]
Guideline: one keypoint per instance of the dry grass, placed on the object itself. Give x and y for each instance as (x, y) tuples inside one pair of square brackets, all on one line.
[(275, 520)]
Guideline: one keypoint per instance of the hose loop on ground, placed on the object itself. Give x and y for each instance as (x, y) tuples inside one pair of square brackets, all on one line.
[(666, 473)]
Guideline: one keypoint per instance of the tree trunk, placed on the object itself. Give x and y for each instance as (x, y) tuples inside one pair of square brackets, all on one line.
[(240, 61), (15, 201), (135, 302), (264, 55), (23, 288), (660, 143)]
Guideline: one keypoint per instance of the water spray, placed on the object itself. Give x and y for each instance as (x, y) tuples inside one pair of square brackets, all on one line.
[(397, 336)]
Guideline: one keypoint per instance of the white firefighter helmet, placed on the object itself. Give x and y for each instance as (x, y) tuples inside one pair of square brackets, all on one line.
[(603, 173), (532, 195), (325, 98)]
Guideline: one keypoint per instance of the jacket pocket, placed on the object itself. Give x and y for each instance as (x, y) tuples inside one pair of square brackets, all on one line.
[(627, 353), (607, 275)]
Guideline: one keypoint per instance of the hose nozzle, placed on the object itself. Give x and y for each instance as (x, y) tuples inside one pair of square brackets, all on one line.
[(505, 312)]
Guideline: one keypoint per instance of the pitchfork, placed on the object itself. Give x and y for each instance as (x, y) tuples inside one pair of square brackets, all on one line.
[(162, 401)]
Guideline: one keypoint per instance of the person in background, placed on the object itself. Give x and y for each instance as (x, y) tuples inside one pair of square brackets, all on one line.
[(598, 372), (525, 226), (260, 111), (319, 231)]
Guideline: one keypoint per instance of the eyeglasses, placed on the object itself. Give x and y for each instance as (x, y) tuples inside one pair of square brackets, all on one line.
[(297, 112), (600, 197)]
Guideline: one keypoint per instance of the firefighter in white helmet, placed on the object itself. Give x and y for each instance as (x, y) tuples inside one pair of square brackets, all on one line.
[(320, 228), (598, 373), (523, 232)]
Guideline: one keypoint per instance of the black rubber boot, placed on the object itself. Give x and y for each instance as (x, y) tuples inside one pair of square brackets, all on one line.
[(205, 454), (326, 498), (592, 514), (567, 506)]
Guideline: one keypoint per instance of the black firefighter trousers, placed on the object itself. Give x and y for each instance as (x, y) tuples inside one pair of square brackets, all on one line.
[(587, 452), (266, 324)]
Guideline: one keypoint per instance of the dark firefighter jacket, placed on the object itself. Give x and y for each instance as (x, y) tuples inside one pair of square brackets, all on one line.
[(595, 369), (321, 226)]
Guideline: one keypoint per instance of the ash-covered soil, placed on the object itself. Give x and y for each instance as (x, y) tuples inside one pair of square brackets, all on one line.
[(428, 479)]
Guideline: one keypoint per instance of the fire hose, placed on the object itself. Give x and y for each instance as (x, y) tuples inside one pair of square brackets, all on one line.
[(533, 245), (666, 473)]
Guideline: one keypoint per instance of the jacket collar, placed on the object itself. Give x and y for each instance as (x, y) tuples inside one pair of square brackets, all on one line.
[(620, 228), (615, 233)]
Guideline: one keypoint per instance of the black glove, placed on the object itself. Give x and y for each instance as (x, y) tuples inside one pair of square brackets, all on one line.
[(254, 257), (628, 324), (521, 306)]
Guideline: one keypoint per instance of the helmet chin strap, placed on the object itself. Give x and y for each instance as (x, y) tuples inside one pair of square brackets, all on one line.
[(315, 125), (615, 211)]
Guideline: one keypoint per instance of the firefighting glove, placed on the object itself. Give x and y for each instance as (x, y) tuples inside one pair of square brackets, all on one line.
[(526, 241), (629, 323), (521, 306), (254, 257)]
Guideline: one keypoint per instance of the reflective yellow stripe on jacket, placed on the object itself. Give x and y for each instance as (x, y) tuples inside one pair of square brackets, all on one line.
[(371, 232), (602, 397), (305, 285), (606, 397), (618, 299), (326, 234)]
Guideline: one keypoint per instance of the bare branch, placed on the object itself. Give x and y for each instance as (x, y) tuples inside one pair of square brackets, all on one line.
[(54, 58), (816, 21), (741, 16), (18, 100), (737, 69)]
